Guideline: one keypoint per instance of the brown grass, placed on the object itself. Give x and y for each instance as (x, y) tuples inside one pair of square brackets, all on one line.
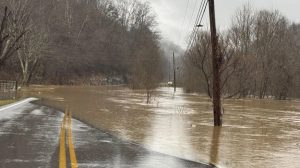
[(5, 102)]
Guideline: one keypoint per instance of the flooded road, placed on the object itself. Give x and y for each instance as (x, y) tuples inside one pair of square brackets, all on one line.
[(256, 133), (32, 136)]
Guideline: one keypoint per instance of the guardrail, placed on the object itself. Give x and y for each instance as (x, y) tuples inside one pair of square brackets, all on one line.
[(8, 89)]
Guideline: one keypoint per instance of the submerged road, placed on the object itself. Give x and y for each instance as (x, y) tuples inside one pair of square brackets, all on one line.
[(37, 136)]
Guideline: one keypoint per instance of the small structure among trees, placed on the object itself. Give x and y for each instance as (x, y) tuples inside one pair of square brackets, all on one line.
[(8, 89)]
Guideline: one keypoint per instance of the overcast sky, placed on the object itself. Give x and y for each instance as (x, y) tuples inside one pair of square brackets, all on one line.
[(173, 26)]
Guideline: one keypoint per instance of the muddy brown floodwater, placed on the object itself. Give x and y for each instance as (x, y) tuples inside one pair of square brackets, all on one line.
[(256, 133)]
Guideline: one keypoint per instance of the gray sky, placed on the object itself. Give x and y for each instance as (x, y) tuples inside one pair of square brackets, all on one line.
[(173, 27)]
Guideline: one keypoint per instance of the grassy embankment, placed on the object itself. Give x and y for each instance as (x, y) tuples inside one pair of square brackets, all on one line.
[(5, 102)]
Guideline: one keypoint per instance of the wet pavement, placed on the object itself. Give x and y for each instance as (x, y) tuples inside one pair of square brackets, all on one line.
[(29, 137), (255, 134), (100, 150)]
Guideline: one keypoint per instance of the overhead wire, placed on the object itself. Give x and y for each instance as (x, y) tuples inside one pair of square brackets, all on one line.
[(201, 4), (191, 37), (198, 22), (193, 12), (205, 7), (184, 19), (189, 21), (199, 18)]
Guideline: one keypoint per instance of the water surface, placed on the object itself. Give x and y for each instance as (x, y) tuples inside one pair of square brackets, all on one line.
[(256, 133)]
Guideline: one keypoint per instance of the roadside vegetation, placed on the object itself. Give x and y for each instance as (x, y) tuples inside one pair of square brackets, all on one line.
[(5, 102), (99, 42), (88, 42), (261, 57)]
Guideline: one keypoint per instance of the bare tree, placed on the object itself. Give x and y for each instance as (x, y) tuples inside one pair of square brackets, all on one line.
[(33, 41), (147, 68), (199, 57), (9, 38), (241, 36), (261, 56), (270, 37), (32, 45)]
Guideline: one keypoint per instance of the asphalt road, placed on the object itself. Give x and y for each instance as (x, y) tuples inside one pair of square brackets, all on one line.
[(37, 136)]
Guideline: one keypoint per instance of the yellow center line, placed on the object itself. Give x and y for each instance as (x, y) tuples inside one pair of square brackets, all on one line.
[(62, 145), (70, 142), (66, 124)]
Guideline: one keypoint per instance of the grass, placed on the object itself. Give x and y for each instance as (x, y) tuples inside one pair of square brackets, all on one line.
[(5, 102)]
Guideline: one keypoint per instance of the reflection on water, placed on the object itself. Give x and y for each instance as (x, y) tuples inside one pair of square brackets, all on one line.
[(214, 147), (168, 126), (256, 133)]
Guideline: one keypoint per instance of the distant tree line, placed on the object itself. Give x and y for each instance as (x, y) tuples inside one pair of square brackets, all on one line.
[(261, 57), (80, 42)]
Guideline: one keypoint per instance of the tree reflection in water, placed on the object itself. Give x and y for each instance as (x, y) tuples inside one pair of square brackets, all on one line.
[(214, 148)]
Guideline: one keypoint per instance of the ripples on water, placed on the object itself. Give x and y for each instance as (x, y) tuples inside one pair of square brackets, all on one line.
[(256, 133)]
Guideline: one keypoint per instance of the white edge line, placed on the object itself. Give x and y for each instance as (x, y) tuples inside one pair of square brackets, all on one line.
[(17, 103)]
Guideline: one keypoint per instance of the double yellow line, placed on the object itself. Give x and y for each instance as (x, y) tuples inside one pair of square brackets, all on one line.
[(66, 124)]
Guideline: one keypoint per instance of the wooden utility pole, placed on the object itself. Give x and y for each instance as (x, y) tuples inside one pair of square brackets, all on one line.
[(216, 62), (170, 71), (174, 68)]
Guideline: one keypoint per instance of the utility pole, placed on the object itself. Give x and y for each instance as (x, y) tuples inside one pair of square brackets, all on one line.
[(216, 62), (174, 68), (170, 70)]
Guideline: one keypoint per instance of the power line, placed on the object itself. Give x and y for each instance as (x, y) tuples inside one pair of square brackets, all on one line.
[(198, 21), (183, 22), (195, 5), (193, 11), (200, 12), (191, 17), (200, 17), (204, 11)]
